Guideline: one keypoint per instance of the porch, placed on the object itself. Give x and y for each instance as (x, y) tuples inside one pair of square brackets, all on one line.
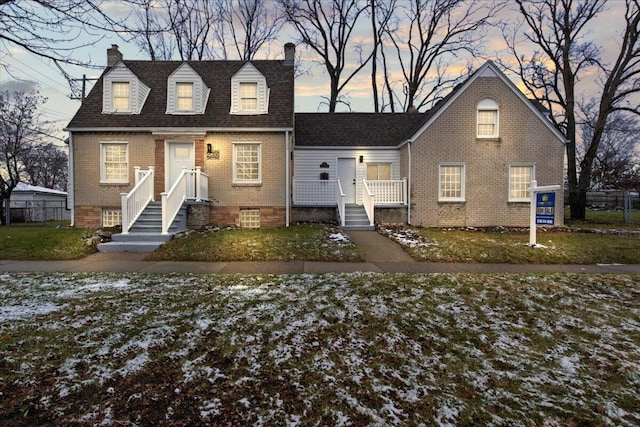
[(330, 193), (146, 224)]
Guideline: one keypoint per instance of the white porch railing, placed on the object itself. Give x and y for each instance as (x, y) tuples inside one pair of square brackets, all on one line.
[(389, 192), (368, 201), (340, 199), (191, 184), (314, 192), (134, 202)]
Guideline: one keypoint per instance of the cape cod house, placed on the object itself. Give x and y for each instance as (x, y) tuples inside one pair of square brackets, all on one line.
[(157, 144)]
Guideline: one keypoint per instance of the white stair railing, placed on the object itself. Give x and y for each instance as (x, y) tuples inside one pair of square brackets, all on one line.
[(202, 185), (314, 192), (368, 201), (389, 192), (340, 200), (173, 199), (134, 202)]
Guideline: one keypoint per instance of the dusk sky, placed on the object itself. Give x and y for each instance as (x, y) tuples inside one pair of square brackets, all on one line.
[(17, 63)]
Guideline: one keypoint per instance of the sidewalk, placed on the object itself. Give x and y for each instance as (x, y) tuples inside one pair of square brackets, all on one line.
[(133, 262)]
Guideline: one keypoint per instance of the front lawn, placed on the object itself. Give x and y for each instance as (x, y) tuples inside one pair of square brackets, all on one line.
[(605, 219), (338, 349), (44, 242), (307, 242)]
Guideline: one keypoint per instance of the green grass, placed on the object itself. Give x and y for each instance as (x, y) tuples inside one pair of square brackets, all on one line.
[(604, 219), (512, 247), (43, 242), (306, 242), (337, 349)]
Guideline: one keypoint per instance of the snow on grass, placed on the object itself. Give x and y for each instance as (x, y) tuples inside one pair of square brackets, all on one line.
[(335, 349)]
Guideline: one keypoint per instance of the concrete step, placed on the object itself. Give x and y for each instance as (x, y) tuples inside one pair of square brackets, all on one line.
[(112, 246), (140, 237)]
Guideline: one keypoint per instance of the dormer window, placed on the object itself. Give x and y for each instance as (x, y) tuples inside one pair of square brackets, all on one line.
[(121, 96), (488, 119), (186, 91), (122, 91), (184, 98), (248, 96), (249, 91)]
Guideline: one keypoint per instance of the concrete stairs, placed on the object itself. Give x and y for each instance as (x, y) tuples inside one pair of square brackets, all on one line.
[(356, 218), (146, 233)]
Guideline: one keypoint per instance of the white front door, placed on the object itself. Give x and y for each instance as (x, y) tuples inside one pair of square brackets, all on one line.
[(347, 176), (181, 155)]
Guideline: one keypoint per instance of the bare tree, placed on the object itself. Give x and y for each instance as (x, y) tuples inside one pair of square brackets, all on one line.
[(20, 128), (46, 165), (381, 13), (616, 163), (436, 32), (327, 28), (557, 29)]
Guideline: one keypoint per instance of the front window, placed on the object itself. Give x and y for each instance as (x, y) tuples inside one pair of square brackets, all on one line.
[(246, 163), (487, 119), (248, 96), (111, 217), (250, 218), (519, 181), (184, 96), (114, 164), (378, 171), (451, 183), (121, 96)]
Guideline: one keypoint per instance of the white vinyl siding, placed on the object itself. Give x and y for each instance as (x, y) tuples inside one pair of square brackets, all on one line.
[(451, 183), (247, 163), (487, 118), (249, 92), (123, 92), (186, 92), (114, 162), (520, 177)]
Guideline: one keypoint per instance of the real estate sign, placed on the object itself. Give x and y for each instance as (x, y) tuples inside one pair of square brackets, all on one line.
[(545, 208)]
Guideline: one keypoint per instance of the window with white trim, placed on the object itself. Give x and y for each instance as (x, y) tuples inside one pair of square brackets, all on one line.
[(121, 92), (451, 183), (184, 96), (487, 119), (114, 162), (250, 218), (520, 177), (378, 171), (111, 217), (247, 163), (248, 96)]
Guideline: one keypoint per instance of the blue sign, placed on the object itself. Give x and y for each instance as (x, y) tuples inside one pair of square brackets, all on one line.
[(545, 208)]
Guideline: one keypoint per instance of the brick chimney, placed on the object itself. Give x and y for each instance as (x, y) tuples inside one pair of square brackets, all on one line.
[(113, 55), (289, 54)]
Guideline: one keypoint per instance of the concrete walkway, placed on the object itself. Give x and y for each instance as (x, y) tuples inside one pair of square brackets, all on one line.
[(381, 254)]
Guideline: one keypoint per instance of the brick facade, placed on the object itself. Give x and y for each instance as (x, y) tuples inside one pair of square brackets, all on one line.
[(523, 139)]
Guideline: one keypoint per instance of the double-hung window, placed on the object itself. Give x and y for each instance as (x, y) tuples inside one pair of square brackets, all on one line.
[(248, 96), (488, 119), (378, 171), (451, 183), (121, 96), (114, 162), (520, 177), (247, 168), (184, 96)]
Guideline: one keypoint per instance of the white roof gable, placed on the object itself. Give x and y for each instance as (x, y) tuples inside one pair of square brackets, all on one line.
[(28, 188), (186, 74), (138, 90)]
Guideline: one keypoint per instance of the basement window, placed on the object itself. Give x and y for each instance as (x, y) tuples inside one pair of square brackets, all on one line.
[(250, 218), (111, 217)]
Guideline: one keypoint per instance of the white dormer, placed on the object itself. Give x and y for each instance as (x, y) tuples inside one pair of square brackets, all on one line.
[(249, 91), (186, 92), (122, 91)]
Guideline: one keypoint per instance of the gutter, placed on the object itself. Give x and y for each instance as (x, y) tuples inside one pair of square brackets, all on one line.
[(177, 131), (70, 177), (287, 200)]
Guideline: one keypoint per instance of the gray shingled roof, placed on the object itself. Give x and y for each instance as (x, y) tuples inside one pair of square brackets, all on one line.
[(216, 75), (355, 129)]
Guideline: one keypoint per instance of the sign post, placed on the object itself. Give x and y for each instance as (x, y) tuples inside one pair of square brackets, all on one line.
[(543, 202)]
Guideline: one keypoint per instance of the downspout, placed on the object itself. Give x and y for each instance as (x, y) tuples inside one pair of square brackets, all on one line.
[(287, 178), (409, 185), (70, 182)]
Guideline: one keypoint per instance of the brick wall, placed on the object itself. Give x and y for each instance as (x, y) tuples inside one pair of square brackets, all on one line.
[(452, 138), (230, 215)]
